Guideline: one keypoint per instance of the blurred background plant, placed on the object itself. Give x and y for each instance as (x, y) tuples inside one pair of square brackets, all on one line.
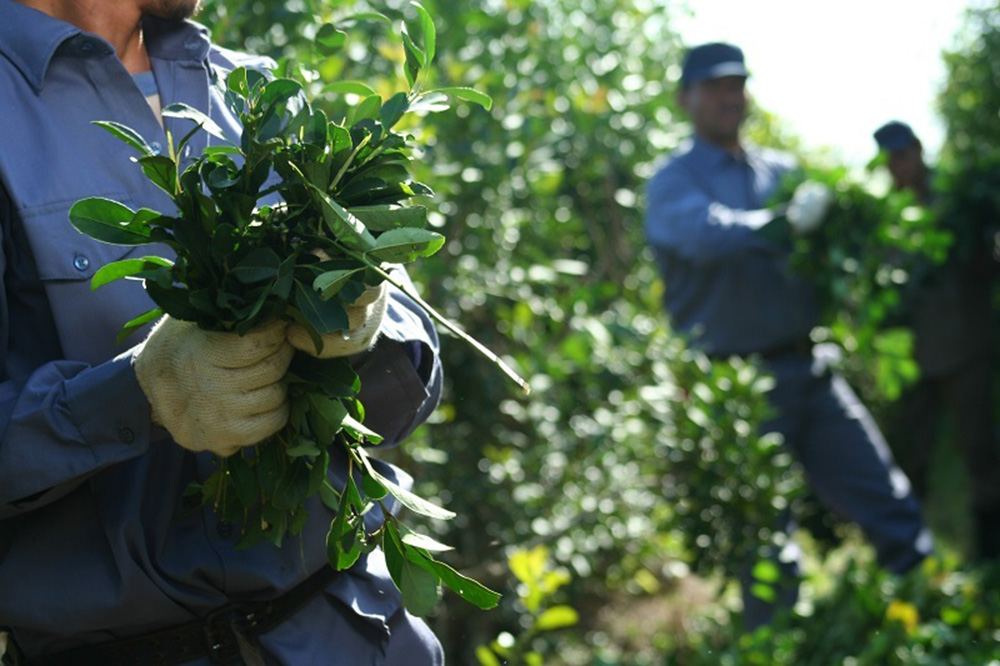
[(635, 465)]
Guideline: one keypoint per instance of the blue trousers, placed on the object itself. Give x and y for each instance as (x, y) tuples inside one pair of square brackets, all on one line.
[(847, 464)]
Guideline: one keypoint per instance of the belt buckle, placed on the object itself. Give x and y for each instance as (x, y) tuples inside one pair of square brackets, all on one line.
[(221, 627)]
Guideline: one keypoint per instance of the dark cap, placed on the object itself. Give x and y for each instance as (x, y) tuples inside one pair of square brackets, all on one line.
[(712, 61), (895, 135)]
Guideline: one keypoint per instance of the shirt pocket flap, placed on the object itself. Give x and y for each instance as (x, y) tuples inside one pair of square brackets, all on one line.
[(63, 253)]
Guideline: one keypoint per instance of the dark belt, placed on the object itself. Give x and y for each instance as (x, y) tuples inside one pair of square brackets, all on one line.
[(797, 347), (219, 636)]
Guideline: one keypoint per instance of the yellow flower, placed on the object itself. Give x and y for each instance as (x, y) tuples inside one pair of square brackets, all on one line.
[(904, 613)]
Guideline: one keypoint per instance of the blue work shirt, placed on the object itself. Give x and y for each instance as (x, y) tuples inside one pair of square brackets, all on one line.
[(726, 286), (94, 541)]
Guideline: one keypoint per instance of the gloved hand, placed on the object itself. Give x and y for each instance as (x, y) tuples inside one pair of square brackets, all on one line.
[(365, 317), (215, 391), (808, 207)]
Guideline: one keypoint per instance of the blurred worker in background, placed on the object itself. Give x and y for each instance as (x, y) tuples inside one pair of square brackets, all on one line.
[(949, 310), (728, 286)]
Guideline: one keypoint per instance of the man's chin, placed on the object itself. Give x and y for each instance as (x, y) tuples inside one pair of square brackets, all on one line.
[(173, 10)]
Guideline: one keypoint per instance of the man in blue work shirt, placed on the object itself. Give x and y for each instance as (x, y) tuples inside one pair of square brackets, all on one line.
[(949, 307), (728, 286), (100, 561)]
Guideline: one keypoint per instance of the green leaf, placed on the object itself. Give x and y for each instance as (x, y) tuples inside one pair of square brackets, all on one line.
[(367, 16), (764, 592), (410, 500), (161, 171), (303, 447), (109, 221), (259, 264), (486, 656), (557, 617), (418, 586), (393, 110), (329, 39), (369, 107), (237, 82), (187, 112), (766, 571), (330, 282), (467, 94), (431, 102), (343, 530), (372, 488), (355, 87), (386, 217), (399, 246), (414, 58), (117, 270), (133, 325), (324, 316), (424, 542), (361, 431), (325, 417), (429, 32), (346, 228), (126, 134), (472, 591), (279, 90)]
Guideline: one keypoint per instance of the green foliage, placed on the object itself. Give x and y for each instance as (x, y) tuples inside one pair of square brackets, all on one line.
[(728, 483), (541, 203), (970, 162), (240, 262), (938, 614), (539, 582), (860, 262)]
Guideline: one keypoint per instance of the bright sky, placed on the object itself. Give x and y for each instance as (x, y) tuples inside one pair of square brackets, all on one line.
[(836, 71)]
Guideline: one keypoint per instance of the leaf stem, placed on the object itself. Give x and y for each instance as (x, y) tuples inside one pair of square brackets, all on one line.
[(444, 321)]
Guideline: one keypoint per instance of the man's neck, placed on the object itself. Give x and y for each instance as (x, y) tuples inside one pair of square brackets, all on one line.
[(730, 145), (120, 23)]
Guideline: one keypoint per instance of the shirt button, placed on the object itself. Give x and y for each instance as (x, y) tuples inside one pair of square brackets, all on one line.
[(126, 435), (224, 528), (155, 147), (81, 262)]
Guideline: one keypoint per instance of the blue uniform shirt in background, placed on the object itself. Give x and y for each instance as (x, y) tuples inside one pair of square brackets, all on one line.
[(95, 542), (725, 285)]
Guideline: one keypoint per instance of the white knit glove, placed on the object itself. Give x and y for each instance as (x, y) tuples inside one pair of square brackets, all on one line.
[(215, 391), (365, 317), (809, 206)]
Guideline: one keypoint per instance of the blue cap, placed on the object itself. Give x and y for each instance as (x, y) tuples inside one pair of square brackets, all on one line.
[(712, 61), (895, 135)]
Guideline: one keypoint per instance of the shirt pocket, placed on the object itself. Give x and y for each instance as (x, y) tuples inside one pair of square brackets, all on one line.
[(87, 321)]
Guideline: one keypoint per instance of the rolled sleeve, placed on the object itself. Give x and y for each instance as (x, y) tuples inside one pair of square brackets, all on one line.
[(683, 219), (401, 377)]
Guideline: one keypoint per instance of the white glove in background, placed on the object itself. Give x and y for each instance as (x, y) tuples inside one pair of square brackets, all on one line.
[(365, 317), (215, 391), (809, 206)]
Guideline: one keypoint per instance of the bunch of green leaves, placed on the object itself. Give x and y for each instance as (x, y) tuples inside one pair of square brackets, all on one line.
[(294, 220), (860, 262)]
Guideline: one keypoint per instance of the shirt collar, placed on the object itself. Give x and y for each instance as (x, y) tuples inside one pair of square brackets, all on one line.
[(29, 38)]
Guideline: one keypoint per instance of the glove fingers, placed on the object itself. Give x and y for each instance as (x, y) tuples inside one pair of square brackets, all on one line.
[(369, 295), (229, 350), (257, 401), (267, 371), (258, 427), (299, 339)]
